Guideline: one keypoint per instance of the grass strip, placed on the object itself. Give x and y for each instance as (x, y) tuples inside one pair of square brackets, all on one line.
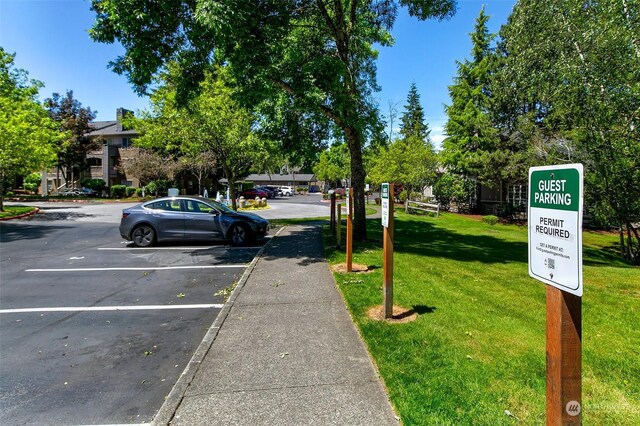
[(13, 211), (478, 345)]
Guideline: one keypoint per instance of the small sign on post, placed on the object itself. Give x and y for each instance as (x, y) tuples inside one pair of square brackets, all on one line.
[(349, 236), (333, 212), (386, 195), (555, 258)]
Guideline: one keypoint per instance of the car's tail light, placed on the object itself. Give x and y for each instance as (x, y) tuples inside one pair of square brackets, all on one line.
[(124, 214)]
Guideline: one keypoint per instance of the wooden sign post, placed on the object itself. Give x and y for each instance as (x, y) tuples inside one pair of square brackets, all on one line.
[(564, 358), (555, 258), (338, 223), (386, 196), (349, 236)]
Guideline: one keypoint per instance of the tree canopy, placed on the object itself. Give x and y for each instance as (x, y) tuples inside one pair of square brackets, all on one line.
[(27, 134), (210, 122), (315, 57), (410, 160), (73, 119), (573, 69)]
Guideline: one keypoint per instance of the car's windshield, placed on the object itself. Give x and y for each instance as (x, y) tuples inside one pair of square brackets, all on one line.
[(220, 206)]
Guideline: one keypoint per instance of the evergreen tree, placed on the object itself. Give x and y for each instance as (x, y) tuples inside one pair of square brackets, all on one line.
[(471, 136), (412, 122)]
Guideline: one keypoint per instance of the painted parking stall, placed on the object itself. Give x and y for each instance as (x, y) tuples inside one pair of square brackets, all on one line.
[(94, 331)]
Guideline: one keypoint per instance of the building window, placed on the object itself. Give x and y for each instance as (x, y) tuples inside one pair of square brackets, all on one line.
[(517, 195), (126, 142)]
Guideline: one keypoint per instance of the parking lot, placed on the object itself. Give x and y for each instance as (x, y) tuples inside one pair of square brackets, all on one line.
[(93, 331)]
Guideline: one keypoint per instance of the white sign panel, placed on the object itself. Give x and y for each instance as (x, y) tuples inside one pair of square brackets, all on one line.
[(347, 194), (555, 226), (384, 197)]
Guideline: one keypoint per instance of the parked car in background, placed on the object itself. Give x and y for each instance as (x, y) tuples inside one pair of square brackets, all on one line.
[(253, 193), (276, 191), (71, 192), (88, 192), (189, 218), (270, 193), (287, 190)]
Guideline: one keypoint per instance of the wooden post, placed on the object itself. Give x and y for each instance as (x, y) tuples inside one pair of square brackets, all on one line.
[(349, 235), (338, 223), (387, 260), (564, 358)]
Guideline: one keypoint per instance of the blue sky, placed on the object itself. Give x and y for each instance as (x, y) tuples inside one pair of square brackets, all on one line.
[(51, 42)]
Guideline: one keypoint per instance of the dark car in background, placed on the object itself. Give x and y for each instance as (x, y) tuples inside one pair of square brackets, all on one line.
[(276, 191), (253, 193), (189, 218), (270, 192)]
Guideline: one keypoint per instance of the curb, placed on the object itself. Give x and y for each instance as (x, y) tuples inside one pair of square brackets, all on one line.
[(173, 400), (20, 216)]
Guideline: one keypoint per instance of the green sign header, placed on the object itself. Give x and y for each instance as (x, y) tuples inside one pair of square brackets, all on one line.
[(557, 189), (384, 192)]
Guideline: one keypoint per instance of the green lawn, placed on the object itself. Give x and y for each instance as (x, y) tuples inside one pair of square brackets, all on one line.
[(11, 211), (478, 345)]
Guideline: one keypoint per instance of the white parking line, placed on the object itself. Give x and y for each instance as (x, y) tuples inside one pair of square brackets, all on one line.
[(109, 308), (175, 248), (149, 268)]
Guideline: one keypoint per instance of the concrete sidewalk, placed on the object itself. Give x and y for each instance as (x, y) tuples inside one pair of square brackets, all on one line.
[(286, 353)]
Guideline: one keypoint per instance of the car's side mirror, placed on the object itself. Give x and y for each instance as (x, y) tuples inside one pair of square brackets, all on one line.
[(213, 212)]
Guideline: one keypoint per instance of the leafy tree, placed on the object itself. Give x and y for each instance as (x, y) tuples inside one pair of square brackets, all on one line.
[(148, 166), (318, 56), (453, 188), (578, 64), (210, 122), (334, 163), (27, 134), (410, 160), (201, 165), (74, 121)]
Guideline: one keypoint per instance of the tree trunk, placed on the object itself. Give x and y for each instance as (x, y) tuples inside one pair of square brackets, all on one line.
[(232, 194), (357, 182)]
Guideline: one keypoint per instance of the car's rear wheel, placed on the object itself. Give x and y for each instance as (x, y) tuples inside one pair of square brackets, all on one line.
[(239, 235), (144, 236)]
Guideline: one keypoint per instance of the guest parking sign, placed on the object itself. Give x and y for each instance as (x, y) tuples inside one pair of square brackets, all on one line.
[(555, 226)]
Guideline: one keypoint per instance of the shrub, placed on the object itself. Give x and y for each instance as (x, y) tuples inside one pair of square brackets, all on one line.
[(490, 219), (32, 182), (452, 188), (138, 192), (130, 190), (118, 191), (151, 188), (97, 185)]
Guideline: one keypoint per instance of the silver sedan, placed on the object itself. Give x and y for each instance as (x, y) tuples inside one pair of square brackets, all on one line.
[(189, 218)]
